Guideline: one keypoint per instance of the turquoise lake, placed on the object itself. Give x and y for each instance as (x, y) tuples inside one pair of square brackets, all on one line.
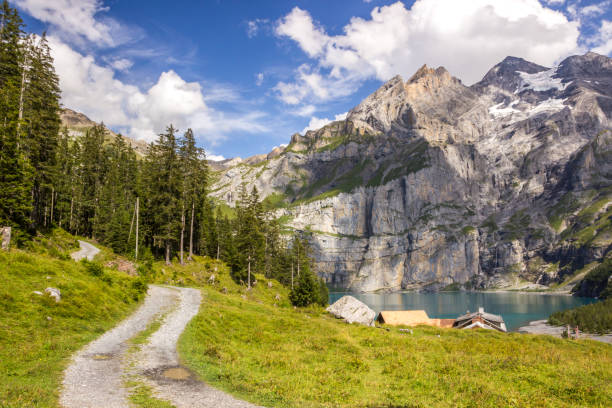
[(517, 309)]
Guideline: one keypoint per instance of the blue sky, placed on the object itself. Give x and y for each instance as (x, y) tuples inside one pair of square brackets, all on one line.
[(245, 75)]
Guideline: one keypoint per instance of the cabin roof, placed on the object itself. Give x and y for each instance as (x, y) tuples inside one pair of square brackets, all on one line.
[(487, 316), (403, 317), (411, 318)]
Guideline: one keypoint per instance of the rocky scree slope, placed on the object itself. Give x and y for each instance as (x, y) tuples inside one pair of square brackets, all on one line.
[(430, 183)]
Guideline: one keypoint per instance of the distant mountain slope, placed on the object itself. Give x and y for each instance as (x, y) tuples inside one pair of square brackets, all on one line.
[(77, 123), (428, 182)]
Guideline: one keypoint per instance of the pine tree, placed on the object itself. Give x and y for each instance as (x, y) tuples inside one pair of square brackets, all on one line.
[(40, 123), (194, 180), (92, 165), (163, 179), (15, 170)]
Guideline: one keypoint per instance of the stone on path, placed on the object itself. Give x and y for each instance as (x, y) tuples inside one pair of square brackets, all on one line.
[(353, 311)]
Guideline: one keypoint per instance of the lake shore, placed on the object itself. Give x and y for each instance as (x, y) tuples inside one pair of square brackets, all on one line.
[(541, 327), (528, 292)]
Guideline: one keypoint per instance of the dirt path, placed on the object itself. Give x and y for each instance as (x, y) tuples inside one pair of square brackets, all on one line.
[(158, 363), (87, 251), (97, 375)]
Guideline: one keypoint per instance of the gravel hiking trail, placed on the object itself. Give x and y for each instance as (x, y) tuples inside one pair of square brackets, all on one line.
[(94, 378), (97, 374), (159, 367), (87, 251)]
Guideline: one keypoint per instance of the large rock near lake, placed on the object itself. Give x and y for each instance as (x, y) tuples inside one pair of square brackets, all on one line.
[(353, 311)]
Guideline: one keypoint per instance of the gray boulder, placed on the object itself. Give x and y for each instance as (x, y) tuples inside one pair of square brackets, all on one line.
[(54, 293), (352, 310)]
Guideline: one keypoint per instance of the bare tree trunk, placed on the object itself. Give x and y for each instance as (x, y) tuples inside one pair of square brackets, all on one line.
[(298, 261), (189, 258), (71, 210), (132, 224), (21, 92), (137, 210), (249, 273), (168, 252), (291, 275), (182, 234), (218, 249), (52, 202), (266, 256)]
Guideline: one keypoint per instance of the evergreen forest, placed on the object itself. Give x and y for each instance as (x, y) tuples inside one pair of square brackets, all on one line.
[(146, 208)]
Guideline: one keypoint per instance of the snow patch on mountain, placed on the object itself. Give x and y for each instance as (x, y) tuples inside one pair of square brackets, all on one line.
[(549, 105), (497, 111), (540, 81)]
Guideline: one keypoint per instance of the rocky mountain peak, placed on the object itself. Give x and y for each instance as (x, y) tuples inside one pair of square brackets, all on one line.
[(430, 183), (589, 65), (427, 81), (78, 123), (426, 72), (506, 74), (378, 110)]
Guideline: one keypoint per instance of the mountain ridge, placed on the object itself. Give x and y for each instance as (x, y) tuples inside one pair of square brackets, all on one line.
[(77, 123), (429, 183)]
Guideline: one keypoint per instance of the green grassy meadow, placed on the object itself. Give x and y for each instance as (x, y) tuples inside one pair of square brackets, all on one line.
[(278, 356), (38, 335), (256, 346)]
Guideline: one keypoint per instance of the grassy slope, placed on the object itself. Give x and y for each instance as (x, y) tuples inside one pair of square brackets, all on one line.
[(35, 350), (284, 357)]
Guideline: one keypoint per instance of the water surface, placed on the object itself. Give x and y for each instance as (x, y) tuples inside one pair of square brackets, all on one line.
[(517, 309)]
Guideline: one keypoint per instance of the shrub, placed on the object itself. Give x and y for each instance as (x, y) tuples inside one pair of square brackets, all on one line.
[(93, 268), (309, 290)]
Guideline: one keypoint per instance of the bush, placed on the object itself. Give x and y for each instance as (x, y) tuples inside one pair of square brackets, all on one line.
[(145, 270), (93, 268), (309, 290), (139, 287)]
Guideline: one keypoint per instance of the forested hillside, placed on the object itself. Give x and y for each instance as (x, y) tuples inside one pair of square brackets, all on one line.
[(94, 184)]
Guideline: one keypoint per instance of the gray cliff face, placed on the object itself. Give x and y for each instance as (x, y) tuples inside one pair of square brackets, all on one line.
[(429, 183)]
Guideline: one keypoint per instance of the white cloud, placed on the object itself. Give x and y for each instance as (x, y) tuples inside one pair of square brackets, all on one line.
[(254, 26), (77, 20), (467, 37), (554, 2), (298, 26), (94, 90), (259, 78), (317, 123), (306, 110), (603, 41), (312, 85), (595, 9), (122, 64), (583, 14), (215, 157)]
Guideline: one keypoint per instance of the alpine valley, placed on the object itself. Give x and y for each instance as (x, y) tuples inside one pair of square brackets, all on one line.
[(429, 183)]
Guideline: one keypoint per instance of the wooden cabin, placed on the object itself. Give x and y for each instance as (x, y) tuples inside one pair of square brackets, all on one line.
[(480, 319), (411, 318)]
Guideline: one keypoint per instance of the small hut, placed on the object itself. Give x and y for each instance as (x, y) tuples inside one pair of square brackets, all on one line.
[(480, 319), (411, 318)]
